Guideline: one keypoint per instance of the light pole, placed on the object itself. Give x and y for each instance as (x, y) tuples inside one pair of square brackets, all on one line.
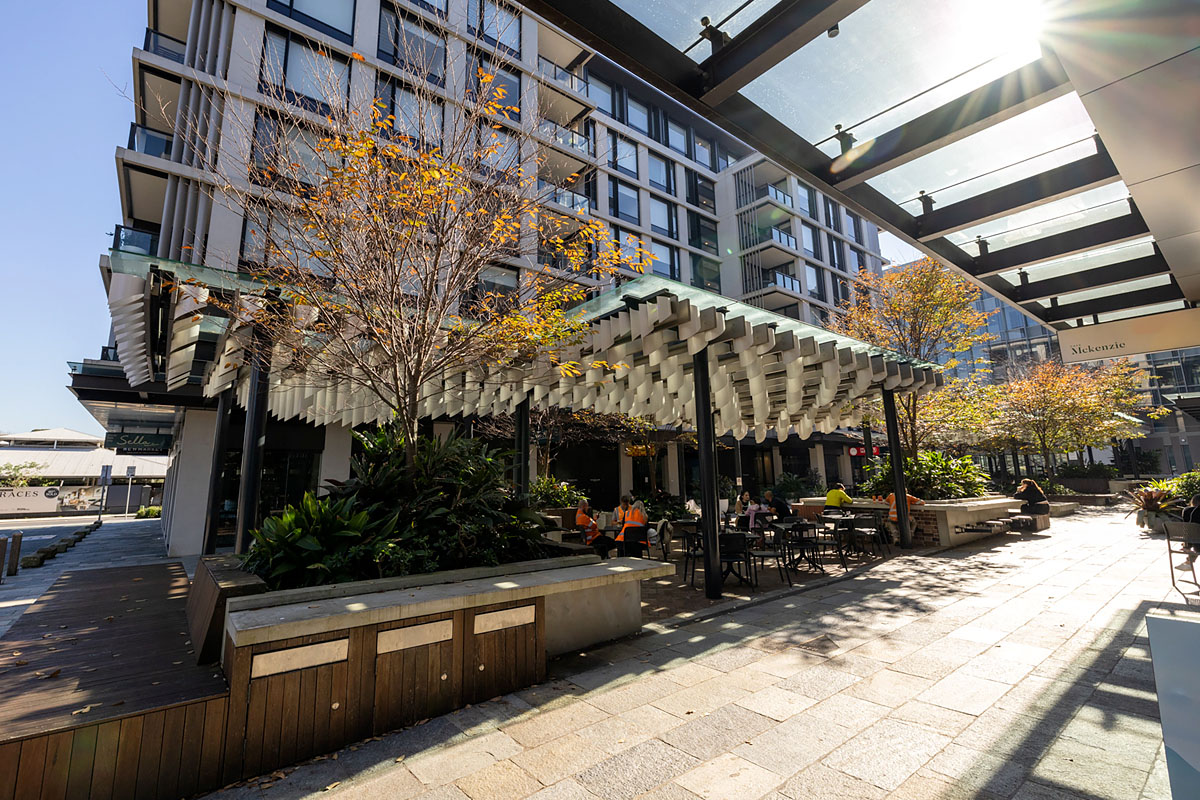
[(129, 473)]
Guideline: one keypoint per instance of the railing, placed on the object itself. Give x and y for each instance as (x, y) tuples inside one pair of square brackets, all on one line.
[(775, 193), (109, 353), (166, 46), (149, 141), (565, 197), (566, 137), (786, 281), (555, 72), (129, 240), (776, 235)]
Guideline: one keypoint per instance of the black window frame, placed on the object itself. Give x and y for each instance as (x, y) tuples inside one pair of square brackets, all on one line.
[(697, 237), (287, 9), (629, 101), (833, 214), (612, 95), (490, 66), (714, 286), (695, 196), (672, 230), (669, 188), (475, 23), (614, 141), (819, 272), (672, 260), (313, 104), (710, 144), (390, 83), (394, 58), (816, 239), (614, 201), (686, 149), (836, 255)]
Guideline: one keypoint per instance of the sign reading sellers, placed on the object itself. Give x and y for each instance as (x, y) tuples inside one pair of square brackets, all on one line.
[(145, 443), (1173, 330)]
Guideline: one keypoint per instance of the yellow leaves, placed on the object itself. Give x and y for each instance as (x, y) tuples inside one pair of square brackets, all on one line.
[(357, 56)]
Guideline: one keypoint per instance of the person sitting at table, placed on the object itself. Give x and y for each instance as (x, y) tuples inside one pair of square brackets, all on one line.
[(744, 501), (836, 498), (631, 521), (1033, 499), (591, 530), (778, 506), (894, 516)]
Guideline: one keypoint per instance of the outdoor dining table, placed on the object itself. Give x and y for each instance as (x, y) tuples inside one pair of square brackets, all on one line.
[(808, 544)]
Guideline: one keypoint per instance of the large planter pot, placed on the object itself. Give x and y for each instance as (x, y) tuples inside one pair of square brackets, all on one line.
[(1152, 520)]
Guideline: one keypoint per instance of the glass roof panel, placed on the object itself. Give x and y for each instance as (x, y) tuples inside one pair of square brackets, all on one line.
[(1158, 308), (1060, 215), (678, 21), (895, 60), (1047, 127), (1105, 291), (1100, 257)]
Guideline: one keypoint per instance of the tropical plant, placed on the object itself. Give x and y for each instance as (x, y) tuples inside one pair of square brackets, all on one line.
[(1153, 503), (545, 491), (1187, 485), (664, 505), (791, 486), (22, 474), (149, 512), (930, 476)]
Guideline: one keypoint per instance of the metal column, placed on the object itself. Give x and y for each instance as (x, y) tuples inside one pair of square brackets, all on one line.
[(737, 465), (709, 506), (220, 437), (521, 437), (254, 437), (897, 456)]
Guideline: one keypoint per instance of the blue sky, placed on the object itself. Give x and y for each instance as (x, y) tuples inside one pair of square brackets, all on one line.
[(59, 200)]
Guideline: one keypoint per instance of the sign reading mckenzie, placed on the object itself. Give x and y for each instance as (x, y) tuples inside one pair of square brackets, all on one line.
[(1130, 337)]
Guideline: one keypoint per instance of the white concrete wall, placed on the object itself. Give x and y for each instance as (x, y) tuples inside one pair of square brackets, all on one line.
[(191, 469), (335, 458)]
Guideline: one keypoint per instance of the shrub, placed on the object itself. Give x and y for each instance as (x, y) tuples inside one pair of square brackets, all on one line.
[(149, 512), (931, 476), (1187, 485), (1077, 470), (664, 505), (791, 486), (546, 492)]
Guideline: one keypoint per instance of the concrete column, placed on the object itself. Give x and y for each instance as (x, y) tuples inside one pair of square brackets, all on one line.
[(188, 492), (674, 479), (335, 458), (816, 458), (844, 465)]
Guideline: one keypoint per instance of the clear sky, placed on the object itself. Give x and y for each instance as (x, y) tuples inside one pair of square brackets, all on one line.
[(59, 202)]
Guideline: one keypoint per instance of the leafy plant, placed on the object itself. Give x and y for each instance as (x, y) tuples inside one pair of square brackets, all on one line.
[(727, 489), (791, 486), (664, 505), (546, 492), (149, 512), (1152, 499), (930, 476), (1187, 485), (1077, 470), (23, 474)]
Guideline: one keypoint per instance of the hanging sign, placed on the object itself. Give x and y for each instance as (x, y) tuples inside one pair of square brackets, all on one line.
[(862, 451), (1173, 330)]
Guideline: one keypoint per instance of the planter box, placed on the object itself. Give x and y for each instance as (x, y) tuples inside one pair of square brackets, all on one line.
[(1086, 499), (1086, 485)]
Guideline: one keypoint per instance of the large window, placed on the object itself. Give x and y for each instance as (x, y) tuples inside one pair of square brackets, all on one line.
[(858, 259), (622, 154), (701, 191), (855, 226), (496, 23), (408, 44), (309, 77), (703, 151), (283, 149), (417, 117), (601, 94), (677, 136), (702, 233), (806, 201), (497, 288), (706, 273), (841, 290), (628, 243), (499, 149), (812, 242), (814, 278), (637, 115), (332, 17), (666, 260), (836, 257), (664, 219), (662, 174), (274, 238), (504, 89), (623, 201), (833, 215)]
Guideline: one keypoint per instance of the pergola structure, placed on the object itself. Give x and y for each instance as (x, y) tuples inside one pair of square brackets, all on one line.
[(1045, 149), (677, 354)]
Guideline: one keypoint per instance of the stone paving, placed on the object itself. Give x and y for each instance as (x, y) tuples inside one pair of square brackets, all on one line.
[(1016, 667), (119, 542)]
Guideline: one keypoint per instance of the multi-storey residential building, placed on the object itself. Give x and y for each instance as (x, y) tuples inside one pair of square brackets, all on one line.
[(714, 214)]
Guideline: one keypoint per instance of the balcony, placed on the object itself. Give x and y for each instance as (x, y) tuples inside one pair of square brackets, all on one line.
[(784, 281), (776, 236), (564, 197), (128, 240), (775, 193), (566, 137), (166, 46), (149, 141), (554, 72)]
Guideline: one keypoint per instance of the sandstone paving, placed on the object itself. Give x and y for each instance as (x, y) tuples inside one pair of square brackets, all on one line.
[(1013, 668)]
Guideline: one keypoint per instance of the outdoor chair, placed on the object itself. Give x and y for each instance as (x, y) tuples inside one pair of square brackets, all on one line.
[(1183, 538), (693, 553), (734, 549), (777, 546)]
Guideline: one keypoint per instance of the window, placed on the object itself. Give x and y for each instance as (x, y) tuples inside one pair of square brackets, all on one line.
[(410, 45), (677, 136), (666, 260), (601, 94), (855, 226), (496, 285), (332, 17), (702, 233), (637, 115), (628, 243), (271, 237), (306, 76), (283, 149), (859, 258), (664, 219), (703, 151), (701, 191), (706, 273), (498, 280), (417, 117), (622, 154), (812, 244), (499, 149), (836, 258), (841, 291), (814, 277), (662, 174), (496, 24), (505, 88), (723, 159), (806, 201), (833, 215), (623, 201)]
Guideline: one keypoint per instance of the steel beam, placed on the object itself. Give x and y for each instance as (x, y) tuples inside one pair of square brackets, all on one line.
[(1107, 275), (1078, 240), (1115, 302), (772, 37), (706, 443), (1086, 173), (1015, 93), (896, 453)]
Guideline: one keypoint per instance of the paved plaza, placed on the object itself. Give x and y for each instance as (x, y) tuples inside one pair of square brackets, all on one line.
[(1014, 668)]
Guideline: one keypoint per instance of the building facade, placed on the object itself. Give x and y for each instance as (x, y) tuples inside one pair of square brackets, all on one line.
[(713, 213)]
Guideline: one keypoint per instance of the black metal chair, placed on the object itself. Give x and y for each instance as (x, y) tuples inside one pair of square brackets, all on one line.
[(1183, 538), (805, 542), (864, 533), (734, 551), (776, 545), (693, 553)]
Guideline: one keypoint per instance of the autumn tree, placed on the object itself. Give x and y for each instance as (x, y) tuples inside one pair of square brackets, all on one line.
[(923, 311), (388, 234)]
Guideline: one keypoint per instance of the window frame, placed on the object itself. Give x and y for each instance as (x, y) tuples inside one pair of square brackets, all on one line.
[(291, 39), (816, 271), (630, 101), (475, 21), (392, 84), (672, 229), (395, 59), (615, 140), (497, 69), (685, 131), (672, 260), (669, 188), (698, 260), (695, 233), (287, 9), (614, 201)]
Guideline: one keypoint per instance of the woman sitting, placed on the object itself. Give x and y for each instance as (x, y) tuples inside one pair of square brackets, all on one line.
[(1033, 500), (836, 498)]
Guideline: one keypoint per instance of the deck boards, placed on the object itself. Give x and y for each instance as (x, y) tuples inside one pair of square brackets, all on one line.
[(136, 661)]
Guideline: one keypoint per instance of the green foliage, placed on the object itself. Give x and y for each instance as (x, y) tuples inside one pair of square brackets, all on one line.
[(1047, 485), (1153, 499), (1077, 470), (791, 486), (449, 508), (931, 476), (546, 492), (727, 489), (1187, 485), (23, 474), (149, 512), (664, 505)]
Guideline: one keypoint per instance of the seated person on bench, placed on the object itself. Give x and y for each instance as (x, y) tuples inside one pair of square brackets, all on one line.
[(591, 531), (631, 517), (1033, 500)]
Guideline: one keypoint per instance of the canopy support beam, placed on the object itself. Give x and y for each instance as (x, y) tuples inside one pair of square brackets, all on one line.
[(1108, 275), (254, 436), (706, 441), (897, 456), (220, 442), (1057, 245)]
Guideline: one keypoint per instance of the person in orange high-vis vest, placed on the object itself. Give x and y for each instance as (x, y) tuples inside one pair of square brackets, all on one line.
[(632, 521), (893, 515), (591, 531)]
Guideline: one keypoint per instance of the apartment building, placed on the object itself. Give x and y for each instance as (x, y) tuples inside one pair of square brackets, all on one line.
[(714, 214)]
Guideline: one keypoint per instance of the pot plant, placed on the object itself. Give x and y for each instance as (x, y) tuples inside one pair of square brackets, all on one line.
[(1154, 503)]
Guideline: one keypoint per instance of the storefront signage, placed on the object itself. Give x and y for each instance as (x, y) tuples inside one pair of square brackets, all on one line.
[(17, 500), (1173, 330), (157, 443), (862, 451)]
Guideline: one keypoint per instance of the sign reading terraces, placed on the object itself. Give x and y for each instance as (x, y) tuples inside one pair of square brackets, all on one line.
[(1130, 337)]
